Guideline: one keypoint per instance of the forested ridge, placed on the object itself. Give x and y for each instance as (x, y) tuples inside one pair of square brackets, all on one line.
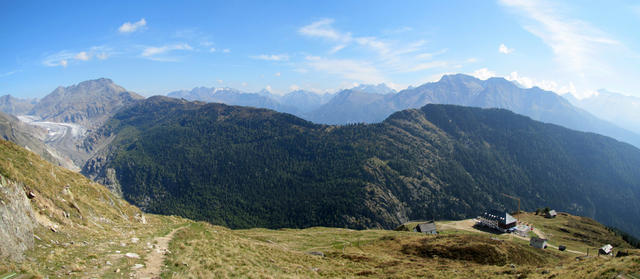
[(245, 167)]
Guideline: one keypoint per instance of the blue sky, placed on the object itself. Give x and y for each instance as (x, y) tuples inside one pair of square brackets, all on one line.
[(153, 47)]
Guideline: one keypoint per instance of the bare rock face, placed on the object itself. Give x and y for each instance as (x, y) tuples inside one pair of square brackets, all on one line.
[(17, 220), (88, 103)]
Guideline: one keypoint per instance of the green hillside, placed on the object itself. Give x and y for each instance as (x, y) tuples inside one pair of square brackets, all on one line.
[(243, 167), (80, 230)]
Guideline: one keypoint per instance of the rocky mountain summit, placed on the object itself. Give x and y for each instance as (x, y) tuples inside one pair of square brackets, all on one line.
[(89, 103)]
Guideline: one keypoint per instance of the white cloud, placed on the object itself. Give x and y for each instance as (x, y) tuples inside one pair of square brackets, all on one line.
[(65, 58), (504, 49), (82, 56), (268, 88), (9, 73), (294, 87), (277, 74), (347, 68), (213, 49), (129, 27), (430, 55), (102, 55), (385, 55), (220, 81), (483, 74), (636, 9), (271, 57), (157, 53), (337, 48), (323, 29), (226, 50), (428, 65), (528, 82), (576, 44), (472, 60), (244, 84)]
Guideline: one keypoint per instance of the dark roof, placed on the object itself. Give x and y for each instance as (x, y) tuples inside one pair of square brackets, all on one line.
[(500, 216), (426, 227)]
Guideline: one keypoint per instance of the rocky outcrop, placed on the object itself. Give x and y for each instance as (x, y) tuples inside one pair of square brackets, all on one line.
[(17, 220)]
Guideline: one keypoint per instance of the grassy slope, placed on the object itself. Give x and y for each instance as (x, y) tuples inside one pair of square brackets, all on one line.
[(92, 240), (576, 232), (98, 223), (205, 251)]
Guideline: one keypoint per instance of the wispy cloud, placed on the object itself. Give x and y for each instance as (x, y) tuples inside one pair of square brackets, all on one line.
[(384, 56), (271, 57), (159, 53), (226, 50), (323, 29), (504, 49), (82, 56), (351, 69), (636, 10), (430, 55), (66, 57), (9, 73), (129, 27), (575, 43), (428, 65)]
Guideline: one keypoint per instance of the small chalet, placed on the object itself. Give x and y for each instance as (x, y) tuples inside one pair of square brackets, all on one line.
[(538, 242), (426, 228), (551, 214), (605, 250), (498, 220)]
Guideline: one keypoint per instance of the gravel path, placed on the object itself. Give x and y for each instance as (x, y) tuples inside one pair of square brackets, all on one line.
[(155, 259)]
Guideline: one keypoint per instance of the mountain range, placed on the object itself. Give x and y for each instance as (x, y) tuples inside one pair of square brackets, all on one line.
[(374, 103), (16, 106), (68, 113), (175, 156), (245, 167), (613, 107)]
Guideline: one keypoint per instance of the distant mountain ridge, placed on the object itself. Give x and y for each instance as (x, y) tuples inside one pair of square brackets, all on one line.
[(16, 106), (614, 107), (381, 88), (466, 90), (373, 103)]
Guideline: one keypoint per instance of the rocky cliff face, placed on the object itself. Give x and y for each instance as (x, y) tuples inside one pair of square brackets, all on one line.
[(37, 198), (17, 220)]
